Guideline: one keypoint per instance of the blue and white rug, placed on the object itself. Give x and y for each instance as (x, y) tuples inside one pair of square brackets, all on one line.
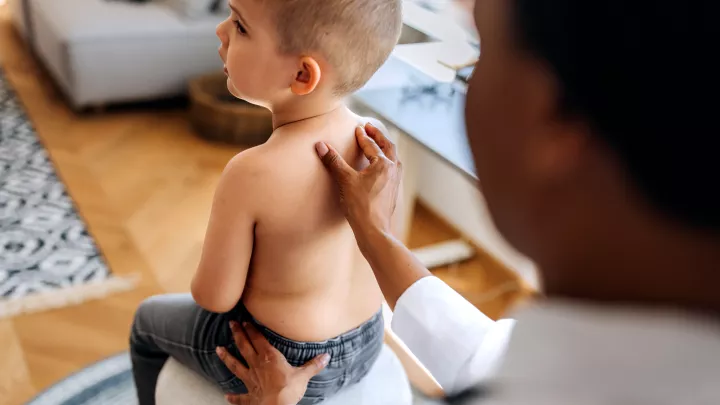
[(108, 382), (47, 257)]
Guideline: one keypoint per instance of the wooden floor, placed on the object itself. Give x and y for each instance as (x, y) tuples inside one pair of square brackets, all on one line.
[(143, 182)]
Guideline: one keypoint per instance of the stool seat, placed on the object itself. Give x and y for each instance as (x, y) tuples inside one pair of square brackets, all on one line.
[(385, 384)]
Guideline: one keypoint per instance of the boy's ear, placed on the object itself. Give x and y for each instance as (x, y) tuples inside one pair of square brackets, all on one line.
[(307, 76)]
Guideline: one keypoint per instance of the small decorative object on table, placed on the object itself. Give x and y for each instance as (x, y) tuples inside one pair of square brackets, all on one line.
[(217, 115)]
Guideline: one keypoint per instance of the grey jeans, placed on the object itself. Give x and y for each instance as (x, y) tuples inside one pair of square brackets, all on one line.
[(174, 325)]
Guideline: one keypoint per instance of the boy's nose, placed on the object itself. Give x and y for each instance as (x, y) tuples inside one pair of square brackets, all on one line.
[(220, 32)]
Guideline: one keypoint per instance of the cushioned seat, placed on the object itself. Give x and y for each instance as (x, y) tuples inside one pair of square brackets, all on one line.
[(102, 51), (386, 384)]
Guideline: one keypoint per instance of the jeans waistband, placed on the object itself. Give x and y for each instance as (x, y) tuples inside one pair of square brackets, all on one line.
[(342, 349)]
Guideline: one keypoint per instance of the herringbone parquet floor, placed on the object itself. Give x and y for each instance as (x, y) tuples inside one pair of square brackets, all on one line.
[(143, 182)]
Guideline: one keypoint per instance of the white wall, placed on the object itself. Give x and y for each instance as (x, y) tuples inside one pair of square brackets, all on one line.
[(456, 199)]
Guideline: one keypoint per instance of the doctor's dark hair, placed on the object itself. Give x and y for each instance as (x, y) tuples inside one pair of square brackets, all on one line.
[(644, 75)]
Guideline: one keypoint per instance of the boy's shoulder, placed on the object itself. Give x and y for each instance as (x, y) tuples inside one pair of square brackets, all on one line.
[(246, 158), (264, 164), (248, 165)]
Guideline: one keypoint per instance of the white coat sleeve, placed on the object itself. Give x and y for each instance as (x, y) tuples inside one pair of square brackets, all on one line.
[(456, 342)]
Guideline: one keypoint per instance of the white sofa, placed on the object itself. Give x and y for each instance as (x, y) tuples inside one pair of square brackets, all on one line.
[(110, 51)]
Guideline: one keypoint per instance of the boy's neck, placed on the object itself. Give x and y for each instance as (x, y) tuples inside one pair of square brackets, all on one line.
[(302, 110)]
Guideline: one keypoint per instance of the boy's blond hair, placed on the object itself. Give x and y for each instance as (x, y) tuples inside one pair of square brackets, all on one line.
[(354, 36)]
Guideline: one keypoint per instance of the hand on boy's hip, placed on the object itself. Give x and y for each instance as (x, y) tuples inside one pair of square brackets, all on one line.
[(268, 377), (368, 196)]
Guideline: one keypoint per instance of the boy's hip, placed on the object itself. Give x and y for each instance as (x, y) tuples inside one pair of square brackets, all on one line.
[(345, 350), (352, 355)]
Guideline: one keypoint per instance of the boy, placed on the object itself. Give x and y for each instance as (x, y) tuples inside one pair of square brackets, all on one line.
[(278, 251)]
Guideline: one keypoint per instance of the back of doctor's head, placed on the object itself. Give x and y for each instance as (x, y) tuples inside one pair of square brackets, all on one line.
[(644, 75)]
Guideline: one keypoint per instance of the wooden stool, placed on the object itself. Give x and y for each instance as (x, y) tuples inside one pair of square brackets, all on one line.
[(217, 115)]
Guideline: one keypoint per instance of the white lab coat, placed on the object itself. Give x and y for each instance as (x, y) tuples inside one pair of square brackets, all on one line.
[(562, 352)]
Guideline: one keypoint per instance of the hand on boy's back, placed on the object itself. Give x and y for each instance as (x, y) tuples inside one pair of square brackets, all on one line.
[(269, 378), (368, 196)]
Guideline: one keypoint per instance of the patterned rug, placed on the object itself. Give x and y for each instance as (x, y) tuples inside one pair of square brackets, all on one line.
[(47, 257), (108, 382)]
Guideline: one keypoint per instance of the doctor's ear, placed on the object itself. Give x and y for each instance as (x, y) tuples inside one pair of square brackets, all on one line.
[(306, 77)]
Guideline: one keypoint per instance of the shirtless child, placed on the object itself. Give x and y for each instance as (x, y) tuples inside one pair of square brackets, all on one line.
[(278, 251)]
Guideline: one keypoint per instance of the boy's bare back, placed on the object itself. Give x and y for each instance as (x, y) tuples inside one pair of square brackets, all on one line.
[(307, 280)]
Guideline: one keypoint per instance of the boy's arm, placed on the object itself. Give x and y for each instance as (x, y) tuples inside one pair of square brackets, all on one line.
[(221, 274)]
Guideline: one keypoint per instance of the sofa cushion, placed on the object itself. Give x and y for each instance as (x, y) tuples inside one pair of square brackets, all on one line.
[(103, 51), (76, 21), (190, 8)]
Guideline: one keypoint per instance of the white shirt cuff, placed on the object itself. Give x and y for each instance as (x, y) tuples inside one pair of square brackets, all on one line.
[(448, 334)]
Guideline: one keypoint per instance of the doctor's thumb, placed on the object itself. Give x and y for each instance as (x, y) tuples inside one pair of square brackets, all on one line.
[(315, 366)]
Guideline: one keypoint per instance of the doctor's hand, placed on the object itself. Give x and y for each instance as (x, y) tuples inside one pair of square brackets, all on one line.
[(368, 196), (269, 378)]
